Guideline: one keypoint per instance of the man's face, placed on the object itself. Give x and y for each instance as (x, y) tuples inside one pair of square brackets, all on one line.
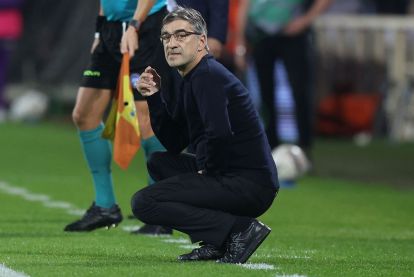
[(181, 45)]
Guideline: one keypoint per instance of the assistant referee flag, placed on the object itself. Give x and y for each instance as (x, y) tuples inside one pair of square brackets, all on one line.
[(121, 125)]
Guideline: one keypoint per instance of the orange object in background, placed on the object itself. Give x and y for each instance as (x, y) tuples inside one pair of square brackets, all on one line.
[(232, 26), (347, 114)]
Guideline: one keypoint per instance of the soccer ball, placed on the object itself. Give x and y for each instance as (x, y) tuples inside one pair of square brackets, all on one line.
[(291, 162), (31, 106)]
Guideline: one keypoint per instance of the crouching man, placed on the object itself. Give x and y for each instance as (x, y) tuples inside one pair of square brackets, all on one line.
[(215, 195)]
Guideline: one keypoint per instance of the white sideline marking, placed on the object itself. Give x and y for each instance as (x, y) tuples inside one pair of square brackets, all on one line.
[(188, 246), (130, 228), (261, 266), (72, 210), (42, 198), (292, 257), (180, 241), (7, 272)]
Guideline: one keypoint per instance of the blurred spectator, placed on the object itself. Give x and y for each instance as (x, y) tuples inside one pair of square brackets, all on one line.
[(10, 30), (346, 7), (42, 58), (370, 7), (215, 13), (391, 6), (280, 30), (229, 48)]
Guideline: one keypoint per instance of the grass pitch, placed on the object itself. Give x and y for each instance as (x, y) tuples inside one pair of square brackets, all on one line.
[(325, 226)]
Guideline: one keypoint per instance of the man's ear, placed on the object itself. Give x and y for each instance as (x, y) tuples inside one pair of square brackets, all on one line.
[(203, 43)]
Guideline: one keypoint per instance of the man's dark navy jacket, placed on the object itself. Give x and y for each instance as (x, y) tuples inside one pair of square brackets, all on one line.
[(214, 113)]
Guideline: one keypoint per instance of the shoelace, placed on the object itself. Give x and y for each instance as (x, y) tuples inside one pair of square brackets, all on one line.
[(236, 246)]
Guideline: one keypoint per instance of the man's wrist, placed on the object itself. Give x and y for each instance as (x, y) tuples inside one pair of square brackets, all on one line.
[(136, 24)]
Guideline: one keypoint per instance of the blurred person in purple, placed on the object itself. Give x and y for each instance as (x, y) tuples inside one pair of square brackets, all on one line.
[(11, 25)]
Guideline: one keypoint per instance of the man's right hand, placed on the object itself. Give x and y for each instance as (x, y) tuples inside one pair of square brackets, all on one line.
[(149, 82)]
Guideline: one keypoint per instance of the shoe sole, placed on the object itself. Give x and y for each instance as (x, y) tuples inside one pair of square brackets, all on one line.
[(187, 260), (113, 225), (183, 258), (253, 247), (152, 235), (107, 226), (96, 227)]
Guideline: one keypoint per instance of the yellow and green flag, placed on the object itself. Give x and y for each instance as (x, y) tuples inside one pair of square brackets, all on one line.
[(121, 126)]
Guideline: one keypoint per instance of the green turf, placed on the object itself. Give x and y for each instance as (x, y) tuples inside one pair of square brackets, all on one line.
[(382, 161), (323, 227)]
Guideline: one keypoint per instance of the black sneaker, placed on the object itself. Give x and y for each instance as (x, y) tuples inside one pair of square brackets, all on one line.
[(204, 253), (240, 246), (96, 217), (154, 230)]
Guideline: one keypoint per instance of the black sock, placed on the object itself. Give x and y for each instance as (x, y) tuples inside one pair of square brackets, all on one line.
[(241, 224)]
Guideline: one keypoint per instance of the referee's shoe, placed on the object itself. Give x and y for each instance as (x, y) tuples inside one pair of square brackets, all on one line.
[(96, 217), (153, 230)]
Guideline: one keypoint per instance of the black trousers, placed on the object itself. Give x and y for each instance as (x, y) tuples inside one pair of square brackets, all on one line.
[(296, 54), (204, 207)]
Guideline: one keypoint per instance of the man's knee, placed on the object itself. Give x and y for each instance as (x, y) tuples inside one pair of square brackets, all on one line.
[(85, 121), (78, 118), (90, 106), (141, 205)]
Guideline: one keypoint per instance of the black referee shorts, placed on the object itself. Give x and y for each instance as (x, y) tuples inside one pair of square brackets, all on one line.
[(103, 69)]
